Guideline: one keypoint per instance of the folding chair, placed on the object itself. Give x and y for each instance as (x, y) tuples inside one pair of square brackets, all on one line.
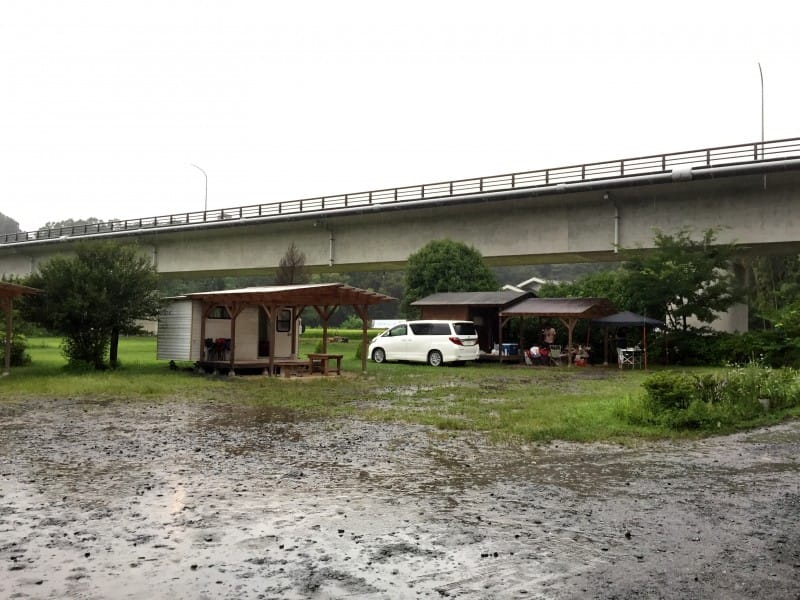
[(626, 357), (555, 354)]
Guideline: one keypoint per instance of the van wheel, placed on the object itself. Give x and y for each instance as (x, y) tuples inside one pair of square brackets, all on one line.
[(378, 355), (435, 358)]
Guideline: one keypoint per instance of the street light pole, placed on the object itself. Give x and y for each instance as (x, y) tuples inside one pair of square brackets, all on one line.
[(761, 74), (205, 202)]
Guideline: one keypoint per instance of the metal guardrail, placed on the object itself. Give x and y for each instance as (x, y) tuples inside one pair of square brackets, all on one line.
[(627, 167)]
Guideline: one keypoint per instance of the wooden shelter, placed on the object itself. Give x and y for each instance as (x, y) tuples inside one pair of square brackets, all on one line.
[(568, 310), (482, 308), (9, 291), (259, 325)]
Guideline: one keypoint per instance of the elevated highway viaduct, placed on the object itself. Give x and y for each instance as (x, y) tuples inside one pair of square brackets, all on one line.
[(581, 213)]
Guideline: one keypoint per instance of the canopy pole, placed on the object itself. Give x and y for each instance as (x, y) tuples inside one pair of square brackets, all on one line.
[(644, 342)]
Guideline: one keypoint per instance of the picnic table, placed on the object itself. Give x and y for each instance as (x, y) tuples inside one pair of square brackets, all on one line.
[(323, 360)]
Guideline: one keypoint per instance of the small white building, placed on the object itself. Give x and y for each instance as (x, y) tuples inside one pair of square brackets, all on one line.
[(253, 328), (182, 337)]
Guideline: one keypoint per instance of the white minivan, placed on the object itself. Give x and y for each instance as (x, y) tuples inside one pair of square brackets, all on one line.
[(434, 342)]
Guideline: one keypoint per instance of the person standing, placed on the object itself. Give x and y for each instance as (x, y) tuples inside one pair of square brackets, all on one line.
[(549, 335)]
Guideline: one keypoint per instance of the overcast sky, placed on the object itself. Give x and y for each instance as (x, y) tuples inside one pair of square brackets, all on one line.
[(105, 105)]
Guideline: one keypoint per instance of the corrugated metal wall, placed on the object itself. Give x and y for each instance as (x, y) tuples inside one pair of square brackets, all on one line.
[(174, 340)]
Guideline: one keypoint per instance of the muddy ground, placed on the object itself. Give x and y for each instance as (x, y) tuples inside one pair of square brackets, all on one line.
[(213, 500)]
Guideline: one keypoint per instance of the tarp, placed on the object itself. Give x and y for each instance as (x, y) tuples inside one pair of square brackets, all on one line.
[(627, 319)]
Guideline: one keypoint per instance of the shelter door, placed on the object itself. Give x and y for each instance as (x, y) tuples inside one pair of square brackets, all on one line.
[(283, 333), (263, 333)]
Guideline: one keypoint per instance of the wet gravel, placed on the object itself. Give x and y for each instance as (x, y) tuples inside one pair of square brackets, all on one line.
[(119, 499)]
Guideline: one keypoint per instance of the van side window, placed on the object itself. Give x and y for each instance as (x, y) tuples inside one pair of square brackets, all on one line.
[(397, 330), (421, 328), (440, 329)]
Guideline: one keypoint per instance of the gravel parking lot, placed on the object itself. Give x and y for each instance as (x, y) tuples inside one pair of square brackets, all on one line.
[(179, 499)]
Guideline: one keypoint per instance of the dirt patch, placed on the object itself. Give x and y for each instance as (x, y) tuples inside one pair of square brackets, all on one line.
[(216, 500)]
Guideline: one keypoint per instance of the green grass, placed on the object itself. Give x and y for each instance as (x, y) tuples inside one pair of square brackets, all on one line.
[(507, 402)]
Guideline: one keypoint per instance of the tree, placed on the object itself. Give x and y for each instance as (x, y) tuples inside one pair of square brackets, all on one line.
[(292, 267), (682, 278), (775, 284), (611, 284), (92, 297), (8, 225), (69, 223), (445, 266)]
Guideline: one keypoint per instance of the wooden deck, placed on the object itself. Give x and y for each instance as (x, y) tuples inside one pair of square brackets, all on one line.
[(281, 366)]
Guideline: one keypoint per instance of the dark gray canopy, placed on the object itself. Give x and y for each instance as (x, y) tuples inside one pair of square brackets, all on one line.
[(627, 319)]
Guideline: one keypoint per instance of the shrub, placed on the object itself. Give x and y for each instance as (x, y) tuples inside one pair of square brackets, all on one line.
[(670, 390), (693, 347), (351, 322), (754, 388), (19, 350), (772, 347), (705, 401)]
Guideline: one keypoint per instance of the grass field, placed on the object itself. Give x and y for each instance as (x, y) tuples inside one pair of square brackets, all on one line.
[(505, 401)]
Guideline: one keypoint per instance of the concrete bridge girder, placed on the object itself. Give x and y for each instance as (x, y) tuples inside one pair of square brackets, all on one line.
[(523, 227)]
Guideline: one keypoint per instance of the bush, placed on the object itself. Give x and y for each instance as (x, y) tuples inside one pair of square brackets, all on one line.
[(19, 350), (705, 401), (772, 347), (669, 390), (693, 347), (351, 322)]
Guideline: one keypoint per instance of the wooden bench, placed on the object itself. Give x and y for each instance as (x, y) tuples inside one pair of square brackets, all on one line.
[(323, 360), (292, 366)]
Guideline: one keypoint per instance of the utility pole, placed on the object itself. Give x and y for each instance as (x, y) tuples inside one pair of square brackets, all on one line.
[(205, 201), (761, 74)]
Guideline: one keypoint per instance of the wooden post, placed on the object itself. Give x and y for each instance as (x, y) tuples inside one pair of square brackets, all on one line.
[(204, 310), (569, 323), (7, 306), (234, 310), (272, 313), (362, 311), (325, 313)]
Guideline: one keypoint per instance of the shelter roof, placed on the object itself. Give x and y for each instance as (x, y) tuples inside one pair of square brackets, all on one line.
[(319, 294), (576, 308), (13, 290), (501, 298), (628, 318)]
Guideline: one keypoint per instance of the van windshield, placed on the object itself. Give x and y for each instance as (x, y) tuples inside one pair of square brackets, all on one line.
[(465, 329)]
